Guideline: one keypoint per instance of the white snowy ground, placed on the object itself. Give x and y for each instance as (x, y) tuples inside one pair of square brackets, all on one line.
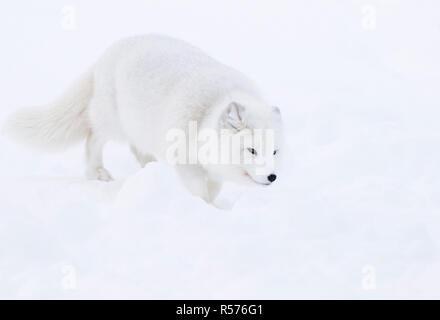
[(356, 213)]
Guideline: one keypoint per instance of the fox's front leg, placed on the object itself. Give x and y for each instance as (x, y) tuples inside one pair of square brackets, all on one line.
[(143, 159), (195, 179), (214, 189)]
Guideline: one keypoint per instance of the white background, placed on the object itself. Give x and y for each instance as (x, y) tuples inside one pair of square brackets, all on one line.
[(354, 215)]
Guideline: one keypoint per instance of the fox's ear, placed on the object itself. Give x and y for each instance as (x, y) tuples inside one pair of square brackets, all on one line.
[(234, 116), (276, 112)]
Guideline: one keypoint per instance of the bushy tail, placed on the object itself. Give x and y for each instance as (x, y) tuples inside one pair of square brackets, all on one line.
[(57, 125)]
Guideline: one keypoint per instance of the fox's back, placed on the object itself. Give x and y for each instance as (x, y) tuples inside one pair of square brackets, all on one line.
[(167, 65), (161, 83)]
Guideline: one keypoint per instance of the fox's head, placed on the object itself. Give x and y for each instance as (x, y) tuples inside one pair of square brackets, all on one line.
[(256, 142)]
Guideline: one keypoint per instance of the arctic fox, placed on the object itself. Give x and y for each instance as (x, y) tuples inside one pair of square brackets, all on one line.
[(142, 88)]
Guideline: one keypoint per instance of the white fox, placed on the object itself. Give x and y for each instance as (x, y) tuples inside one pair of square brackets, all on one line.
[(141, 88)]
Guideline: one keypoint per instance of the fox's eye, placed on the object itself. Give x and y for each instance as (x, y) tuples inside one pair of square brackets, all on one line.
[(253, 151)]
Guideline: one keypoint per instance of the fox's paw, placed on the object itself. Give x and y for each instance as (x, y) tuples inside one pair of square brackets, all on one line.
[(100, 174)]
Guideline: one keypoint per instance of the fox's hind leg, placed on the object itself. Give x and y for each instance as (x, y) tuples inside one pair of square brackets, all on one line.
[(95, 168), (143, 159)]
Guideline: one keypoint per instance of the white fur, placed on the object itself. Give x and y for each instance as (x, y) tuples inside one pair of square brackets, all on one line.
[(57, 125), (140, 89)]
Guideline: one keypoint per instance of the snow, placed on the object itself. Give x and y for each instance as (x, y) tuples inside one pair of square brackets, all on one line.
[(354, 215)]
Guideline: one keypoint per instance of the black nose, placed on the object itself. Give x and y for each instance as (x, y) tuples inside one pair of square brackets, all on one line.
[(272, 178)]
